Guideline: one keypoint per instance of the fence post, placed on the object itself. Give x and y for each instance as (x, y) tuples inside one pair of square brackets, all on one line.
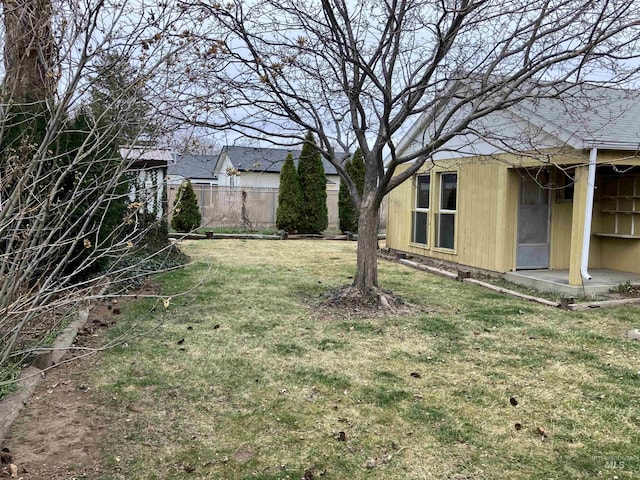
[(201, 203), (274, 199)]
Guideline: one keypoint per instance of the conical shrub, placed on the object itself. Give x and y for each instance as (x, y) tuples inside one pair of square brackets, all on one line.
[(289, 198), (347, 210), (186, 213), (314, 216)]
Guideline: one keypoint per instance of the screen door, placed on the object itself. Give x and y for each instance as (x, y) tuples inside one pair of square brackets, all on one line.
[(533, 222)]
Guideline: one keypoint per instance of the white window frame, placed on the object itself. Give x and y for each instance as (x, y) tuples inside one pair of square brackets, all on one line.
[(417, 209), (443, 211)]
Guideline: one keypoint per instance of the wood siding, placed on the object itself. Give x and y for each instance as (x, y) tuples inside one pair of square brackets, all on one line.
[(621, 254), (487, 217), (484, 218)]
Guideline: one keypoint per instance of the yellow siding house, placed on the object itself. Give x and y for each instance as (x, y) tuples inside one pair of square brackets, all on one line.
[(540, 190)]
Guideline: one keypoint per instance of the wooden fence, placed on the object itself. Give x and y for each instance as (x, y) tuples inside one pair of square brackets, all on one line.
[(251, 208)]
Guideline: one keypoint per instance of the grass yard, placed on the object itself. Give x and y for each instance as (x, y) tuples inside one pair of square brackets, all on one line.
[(247, 378)]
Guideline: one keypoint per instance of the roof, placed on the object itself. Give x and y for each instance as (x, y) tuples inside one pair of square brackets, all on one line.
[(265, 160), (193, 166), (581, 116), (142, 157), (588, 115)]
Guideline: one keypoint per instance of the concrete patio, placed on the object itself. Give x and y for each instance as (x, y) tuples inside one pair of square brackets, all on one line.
[(557, 281)]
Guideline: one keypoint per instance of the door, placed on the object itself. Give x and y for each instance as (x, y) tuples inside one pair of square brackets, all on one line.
[(533, 222)]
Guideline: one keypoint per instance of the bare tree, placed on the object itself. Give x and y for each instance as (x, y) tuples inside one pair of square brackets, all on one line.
[(359, 73), (73, 212)]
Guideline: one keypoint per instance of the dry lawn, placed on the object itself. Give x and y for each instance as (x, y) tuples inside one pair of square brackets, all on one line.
[(248, 378)]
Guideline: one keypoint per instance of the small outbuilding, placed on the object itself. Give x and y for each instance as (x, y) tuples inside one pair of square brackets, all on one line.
[(148, 168), (547, 191)]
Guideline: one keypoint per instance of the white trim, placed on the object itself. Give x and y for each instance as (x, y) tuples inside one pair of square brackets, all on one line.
[(588, 215), (442, 211), (416, 209)]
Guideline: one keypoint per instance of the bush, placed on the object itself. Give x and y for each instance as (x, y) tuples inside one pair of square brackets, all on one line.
[(289, 198), (347, 210), (314, 217), (186, 213)]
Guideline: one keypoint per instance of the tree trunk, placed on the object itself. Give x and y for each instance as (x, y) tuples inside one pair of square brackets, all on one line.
[(29, 51), (366, 277)]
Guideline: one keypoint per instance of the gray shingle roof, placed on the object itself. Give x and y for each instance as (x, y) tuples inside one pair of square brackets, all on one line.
[(588, 116), (193, 166), (269, 160)]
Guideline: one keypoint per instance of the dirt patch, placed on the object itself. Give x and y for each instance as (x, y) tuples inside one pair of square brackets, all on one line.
[(357, 303), (625, 290), (57, 434)]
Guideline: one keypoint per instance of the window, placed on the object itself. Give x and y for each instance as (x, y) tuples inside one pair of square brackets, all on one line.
[(421, 210), (565, 181), (446, 217)]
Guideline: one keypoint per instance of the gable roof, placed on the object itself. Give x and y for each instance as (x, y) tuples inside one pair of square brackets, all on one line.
[(142, 157), (264, 160), (580, 116), (588, 115), (193, 166)]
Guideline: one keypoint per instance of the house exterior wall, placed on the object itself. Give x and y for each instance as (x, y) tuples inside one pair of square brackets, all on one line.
[(255, 179), (561, 215), (616, 253), (224, 166), (333, 183), (484, 218), (621, 254), (487, 217), (179, 180), (148, 187), (267, 180)]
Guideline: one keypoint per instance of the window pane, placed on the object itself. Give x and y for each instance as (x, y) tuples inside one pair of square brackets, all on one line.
[(422, 191), (420, 227), (529, 192), (446, 230), (533, 224), (566, 182), (448, 192), (534, 191)]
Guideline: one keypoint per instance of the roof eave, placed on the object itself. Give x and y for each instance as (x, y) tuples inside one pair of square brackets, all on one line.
[(612, 145), (149, 163)]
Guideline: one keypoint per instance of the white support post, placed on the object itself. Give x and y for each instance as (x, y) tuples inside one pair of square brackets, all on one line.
[(588, 214)]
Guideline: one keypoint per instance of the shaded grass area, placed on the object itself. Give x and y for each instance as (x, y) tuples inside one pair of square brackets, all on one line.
[(246, 378)]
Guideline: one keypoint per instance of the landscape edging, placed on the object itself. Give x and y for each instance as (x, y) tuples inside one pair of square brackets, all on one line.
[(32, 376)]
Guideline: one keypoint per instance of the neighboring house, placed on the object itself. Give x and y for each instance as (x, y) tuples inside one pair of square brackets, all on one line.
[(239, 186), (198, 169), (533, 211), (260, 167), (149, 168)]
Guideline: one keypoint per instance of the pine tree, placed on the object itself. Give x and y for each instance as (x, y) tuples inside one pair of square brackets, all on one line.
[(102, 164), (347, 210), (357, 175), (186, 213), (289, 197), (314, 216), (119, 100)]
